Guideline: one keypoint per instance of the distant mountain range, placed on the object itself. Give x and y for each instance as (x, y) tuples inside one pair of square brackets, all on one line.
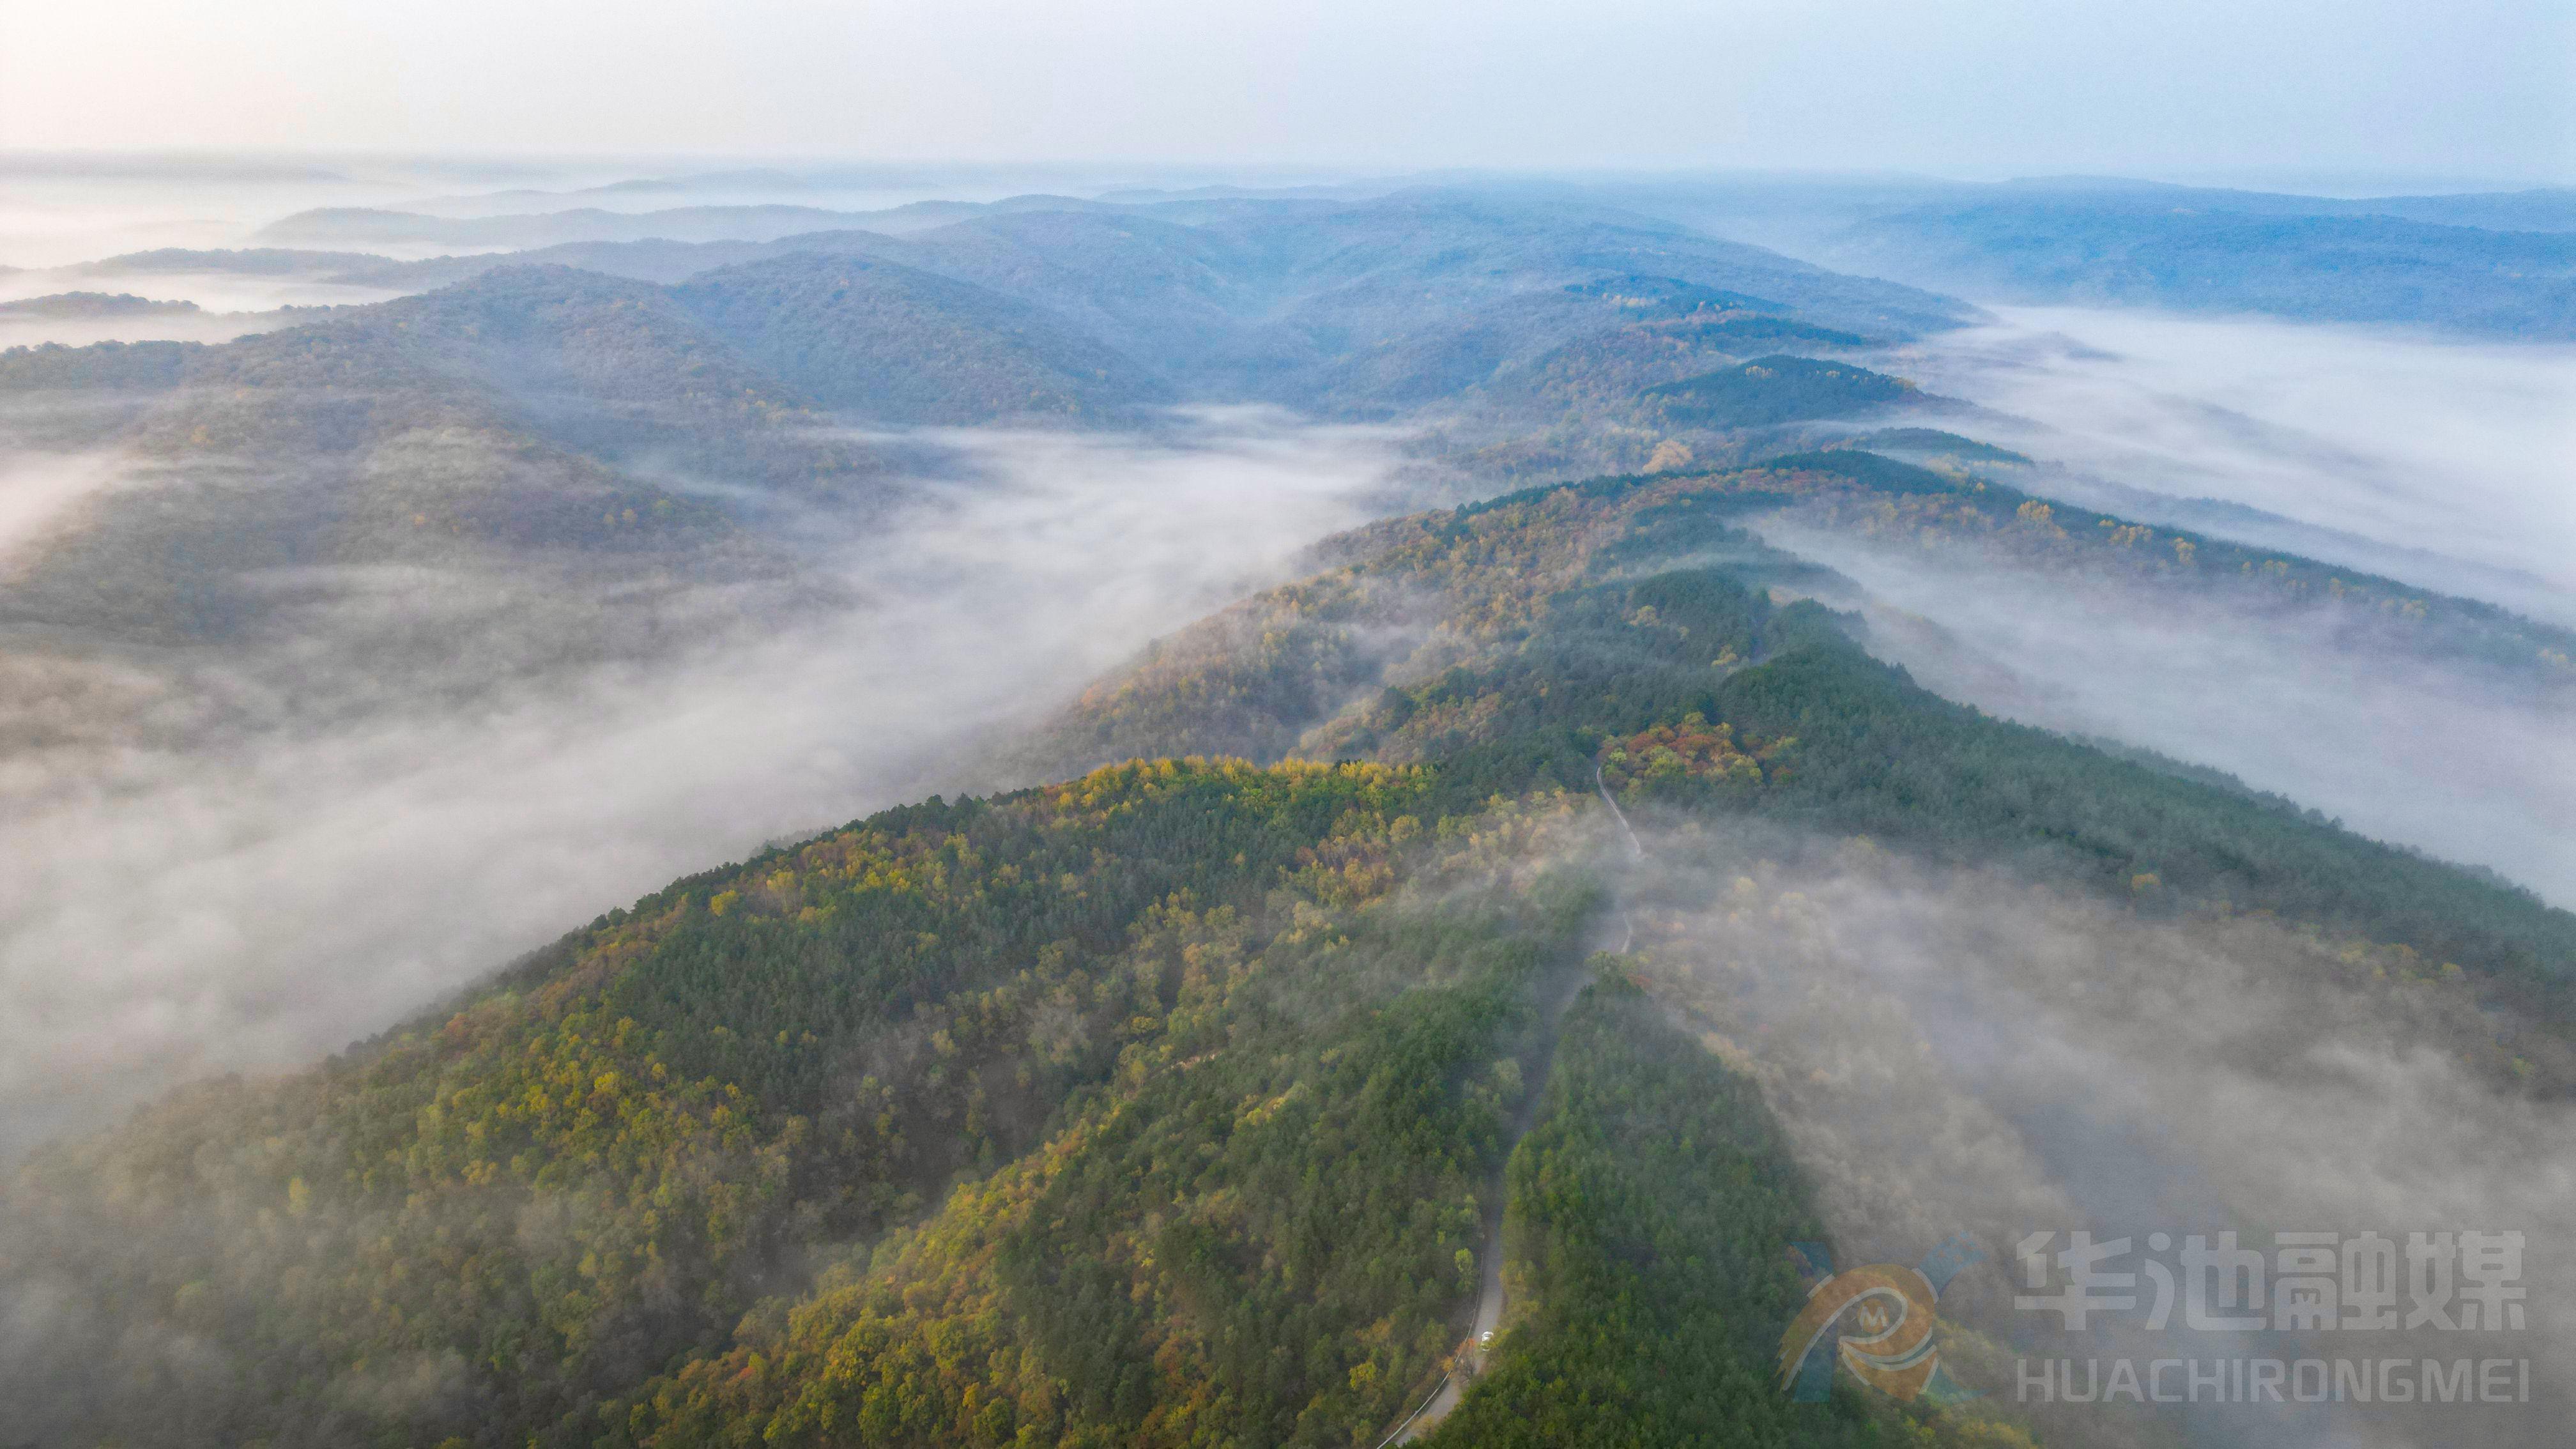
[(2491, 264), (537, 408), (2366, 267), (94, 304), (368, 226)]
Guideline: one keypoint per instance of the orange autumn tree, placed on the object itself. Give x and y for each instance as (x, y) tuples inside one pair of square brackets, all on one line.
[(1655, 760)]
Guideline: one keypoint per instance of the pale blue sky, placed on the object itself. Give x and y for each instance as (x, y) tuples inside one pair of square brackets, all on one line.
[(2387, 87)]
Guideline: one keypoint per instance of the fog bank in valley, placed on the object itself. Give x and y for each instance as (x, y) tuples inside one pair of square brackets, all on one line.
[(1979, 1051), (2450, 760), (184, 902), (2456, 452), (2439, 463)]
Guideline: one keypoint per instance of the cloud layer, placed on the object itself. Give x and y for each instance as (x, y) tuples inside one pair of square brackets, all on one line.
[(2451, 449), (189, 901), (1973, 1051)]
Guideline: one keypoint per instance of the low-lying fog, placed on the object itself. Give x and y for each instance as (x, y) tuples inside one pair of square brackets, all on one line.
[(2459, 449), (61, 216), (2445, 463), (63, 211), (2400, 748), (1971, 1051), (174, 912), (207, 325)]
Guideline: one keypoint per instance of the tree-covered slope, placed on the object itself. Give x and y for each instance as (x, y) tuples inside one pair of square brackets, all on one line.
[(1178, 298), (1646, 1214), (616, 369), (482, 424), (505, 1217), (1257, 1233), (899, 345), (58, 397), (1778, 389)]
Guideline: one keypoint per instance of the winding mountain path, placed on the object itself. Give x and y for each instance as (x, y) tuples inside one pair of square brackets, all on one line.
[(1489, 1299), (1635, 851)]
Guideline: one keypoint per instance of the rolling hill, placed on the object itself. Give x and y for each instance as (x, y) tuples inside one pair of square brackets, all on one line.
[(893, 344), (544, 410), (1363, 306), (487, 422)]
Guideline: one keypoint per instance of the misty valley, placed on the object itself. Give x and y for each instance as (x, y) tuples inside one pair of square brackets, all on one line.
[(1003, 806)]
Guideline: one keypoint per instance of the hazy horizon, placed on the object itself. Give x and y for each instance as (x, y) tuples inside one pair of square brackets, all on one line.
[(2289, 86), (507, 168)]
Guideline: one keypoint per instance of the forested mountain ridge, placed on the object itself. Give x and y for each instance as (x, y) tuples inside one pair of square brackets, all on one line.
[(1254, 679), (1355, 305), (1166, 1103), (1371, 307), (1444, 633), (2490, 264), (1265, 245)]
